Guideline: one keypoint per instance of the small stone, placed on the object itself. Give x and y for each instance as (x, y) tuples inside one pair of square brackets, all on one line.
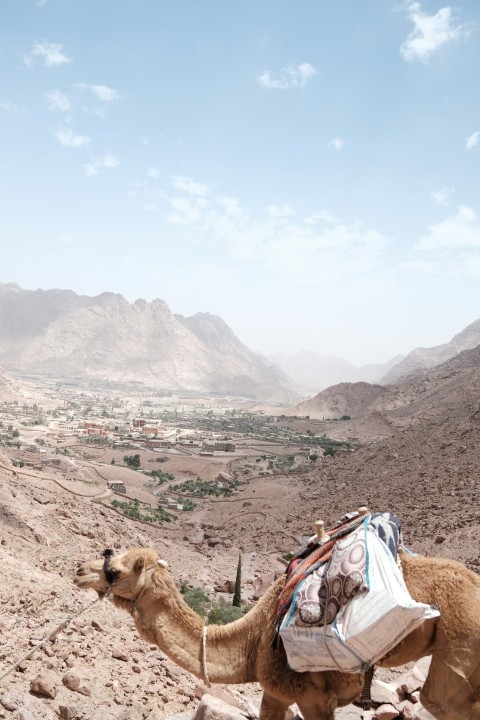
[(119, 655), (45, 683), (12, 699), (211, 708), (386, 712), (67, 712)]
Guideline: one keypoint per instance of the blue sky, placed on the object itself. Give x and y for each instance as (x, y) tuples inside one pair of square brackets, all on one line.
[(307, 171)]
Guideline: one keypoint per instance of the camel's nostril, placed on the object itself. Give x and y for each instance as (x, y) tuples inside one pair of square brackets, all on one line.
[(80, 571)]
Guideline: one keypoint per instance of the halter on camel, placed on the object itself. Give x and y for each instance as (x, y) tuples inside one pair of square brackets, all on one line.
[(110, 577)]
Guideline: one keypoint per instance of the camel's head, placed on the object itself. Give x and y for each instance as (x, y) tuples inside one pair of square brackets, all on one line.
[(124, 574)]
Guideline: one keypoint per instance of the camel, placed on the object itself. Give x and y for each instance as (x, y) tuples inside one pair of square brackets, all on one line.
[(247, 650)]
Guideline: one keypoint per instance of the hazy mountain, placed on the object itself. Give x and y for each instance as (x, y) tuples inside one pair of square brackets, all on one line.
[(425, 358), (316, 372), (61, 334), (9, 388), (400, 404)]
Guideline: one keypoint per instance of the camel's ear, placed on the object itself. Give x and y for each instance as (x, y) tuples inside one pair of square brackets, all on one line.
[(139, 563)]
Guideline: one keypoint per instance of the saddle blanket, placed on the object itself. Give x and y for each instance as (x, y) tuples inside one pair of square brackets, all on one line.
[(351, 611)]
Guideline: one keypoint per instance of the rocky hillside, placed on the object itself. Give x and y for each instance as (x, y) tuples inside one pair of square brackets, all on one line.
[(426, 358), (426, 470), (344, 399), (60, 334)]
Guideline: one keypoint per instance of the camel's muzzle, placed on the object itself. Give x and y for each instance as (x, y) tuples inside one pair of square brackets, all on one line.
[(86, 579)]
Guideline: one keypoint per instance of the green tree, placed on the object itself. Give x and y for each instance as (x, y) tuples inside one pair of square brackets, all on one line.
[(237, 596), (133, 461)]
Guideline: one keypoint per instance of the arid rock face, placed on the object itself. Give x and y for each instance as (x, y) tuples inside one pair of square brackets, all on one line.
[(427, 358), (58, 333)]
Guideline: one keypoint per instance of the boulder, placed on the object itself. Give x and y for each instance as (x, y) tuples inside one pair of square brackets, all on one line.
[(383, 693), (74, 682), (211, 708), (422, 714), (386, 712), (45, 683)]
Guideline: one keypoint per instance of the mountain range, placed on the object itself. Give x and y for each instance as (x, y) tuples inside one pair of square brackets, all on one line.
[(315, 372), (373, 411), (59, 334), (56, 333)]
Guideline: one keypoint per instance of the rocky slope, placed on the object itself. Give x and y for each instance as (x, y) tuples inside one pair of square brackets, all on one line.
[(376, 410), (58, 333), (425, 469), (426, 358)]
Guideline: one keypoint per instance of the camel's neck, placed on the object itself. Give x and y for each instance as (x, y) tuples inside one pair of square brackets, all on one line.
[(168, 622)]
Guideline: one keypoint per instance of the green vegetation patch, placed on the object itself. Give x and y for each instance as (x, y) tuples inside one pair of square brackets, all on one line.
[(133, 509), (201, 488), (159, 477), (218, 613)]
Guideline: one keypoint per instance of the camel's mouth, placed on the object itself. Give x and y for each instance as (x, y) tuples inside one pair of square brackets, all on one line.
[(86, 579)]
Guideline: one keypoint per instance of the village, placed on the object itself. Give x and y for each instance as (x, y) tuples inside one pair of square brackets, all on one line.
[(152, 458)]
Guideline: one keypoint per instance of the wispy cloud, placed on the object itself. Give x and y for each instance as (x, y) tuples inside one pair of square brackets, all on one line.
[(458, 231), (41, 3), (429, 32), (102, 92), (189, 185), (473, 141), (442, 196), (68, 138), (450, 249), (8, 106), (59, 102), (292, 76), (278, 238), (153, 173), (337, 143), (108, 161), (51, 54)]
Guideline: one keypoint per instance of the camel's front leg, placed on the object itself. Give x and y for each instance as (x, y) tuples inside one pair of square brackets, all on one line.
[(321, 711), (272, 709)]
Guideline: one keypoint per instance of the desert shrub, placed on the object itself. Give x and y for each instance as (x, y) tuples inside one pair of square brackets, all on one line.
[(195, 598), (160, 477), (222, 613), (132, 509), (187, 504), (217, 613)]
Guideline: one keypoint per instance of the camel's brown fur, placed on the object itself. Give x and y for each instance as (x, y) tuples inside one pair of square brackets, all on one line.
[(245, 650)]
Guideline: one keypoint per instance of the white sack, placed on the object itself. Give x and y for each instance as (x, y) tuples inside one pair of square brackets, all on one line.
[(366, 628)]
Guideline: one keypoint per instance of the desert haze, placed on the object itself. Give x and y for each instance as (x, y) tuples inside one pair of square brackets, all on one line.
[(115, 434)]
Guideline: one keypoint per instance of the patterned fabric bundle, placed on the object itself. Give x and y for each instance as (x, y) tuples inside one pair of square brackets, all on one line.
[(319, 598), (313, 559)]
